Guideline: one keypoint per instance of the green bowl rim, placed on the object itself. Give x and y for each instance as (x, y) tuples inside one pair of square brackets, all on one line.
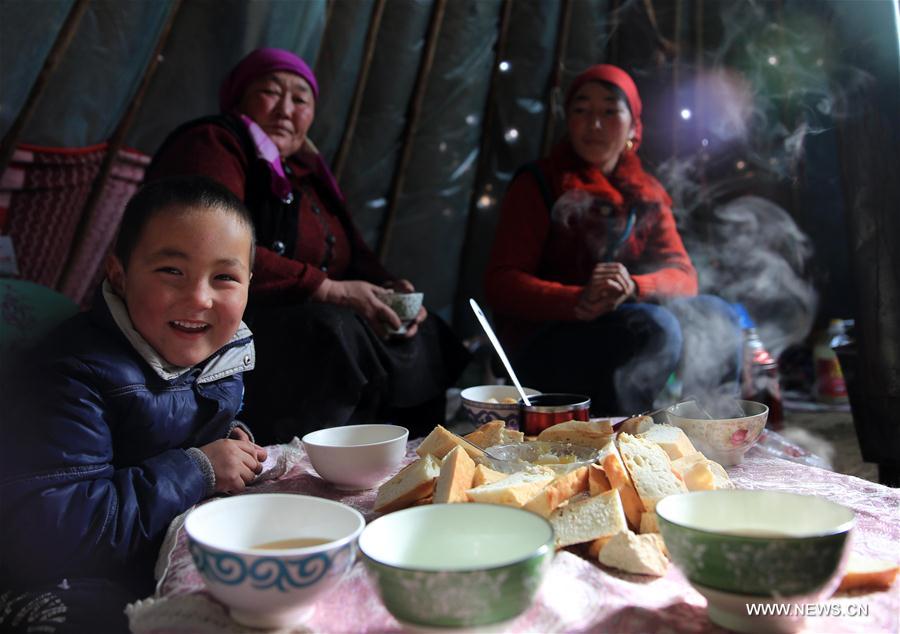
[(846, 527), (537, 552)]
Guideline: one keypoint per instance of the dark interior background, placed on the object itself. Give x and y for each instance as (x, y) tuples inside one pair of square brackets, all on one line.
[(428, 107)]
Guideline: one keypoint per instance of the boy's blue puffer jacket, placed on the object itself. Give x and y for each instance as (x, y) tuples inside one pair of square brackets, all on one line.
[(93, 466)]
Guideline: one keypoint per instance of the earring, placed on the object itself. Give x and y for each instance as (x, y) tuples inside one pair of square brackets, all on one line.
[(629, 145)]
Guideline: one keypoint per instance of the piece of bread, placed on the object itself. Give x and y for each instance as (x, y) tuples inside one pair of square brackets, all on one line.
[(637, 554), (514, 490), (558, 491), (650, 470), (485, 475), (597, 480), (636, 425), (509, 436), (457, 471), (594, 433), (686, 462), (486, 435), (672, 439), (706, 475), (619, 480), (412, 483), (589, 518), (865, 572), (440, 441), (597, 545), (649, 523)]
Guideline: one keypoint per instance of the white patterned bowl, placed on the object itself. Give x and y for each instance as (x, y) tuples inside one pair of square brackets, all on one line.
[(272, 587), (356, 457), (724, 440), (457, 565), (480, 410)]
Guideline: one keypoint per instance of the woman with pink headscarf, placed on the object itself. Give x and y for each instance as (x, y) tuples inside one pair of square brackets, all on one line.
[(321, 327), (590, 283)]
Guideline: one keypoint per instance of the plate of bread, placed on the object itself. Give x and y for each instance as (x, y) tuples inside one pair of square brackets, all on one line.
[(598, 486)]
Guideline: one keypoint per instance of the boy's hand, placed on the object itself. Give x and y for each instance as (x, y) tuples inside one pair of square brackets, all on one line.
[(235, 463)]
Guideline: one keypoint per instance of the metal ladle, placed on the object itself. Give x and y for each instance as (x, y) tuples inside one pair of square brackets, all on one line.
[(496, 343)]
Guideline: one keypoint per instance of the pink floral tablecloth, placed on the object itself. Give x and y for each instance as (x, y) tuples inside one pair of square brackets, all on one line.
[(577, 596)]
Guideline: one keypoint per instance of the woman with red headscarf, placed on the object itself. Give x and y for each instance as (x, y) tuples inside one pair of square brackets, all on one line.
[(588, 278), (321, 326)]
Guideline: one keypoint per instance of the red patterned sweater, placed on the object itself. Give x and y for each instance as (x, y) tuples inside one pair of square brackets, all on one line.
[(211, 150)]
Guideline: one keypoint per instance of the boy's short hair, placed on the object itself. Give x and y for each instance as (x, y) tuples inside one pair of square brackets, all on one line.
[(169, 193)]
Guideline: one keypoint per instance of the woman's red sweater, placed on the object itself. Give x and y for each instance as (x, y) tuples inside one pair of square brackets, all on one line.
[(541, 259)]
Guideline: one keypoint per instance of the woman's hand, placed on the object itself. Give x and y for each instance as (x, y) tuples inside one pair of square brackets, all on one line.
[(235, 463), (362, 297), (610, 285)]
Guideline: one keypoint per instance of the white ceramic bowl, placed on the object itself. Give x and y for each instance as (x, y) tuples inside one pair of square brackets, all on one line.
[(724, 440), (457, 565), (271, 587), (356, 457), (479, 409)]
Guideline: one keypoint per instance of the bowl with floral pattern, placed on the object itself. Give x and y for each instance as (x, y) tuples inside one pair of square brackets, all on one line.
[(457, 565), (756, 543), (484, 403), (268, 556), (724, 440)]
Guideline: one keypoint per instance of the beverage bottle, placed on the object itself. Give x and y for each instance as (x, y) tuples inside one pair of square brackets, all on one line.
[(830, 385), (759, 374)]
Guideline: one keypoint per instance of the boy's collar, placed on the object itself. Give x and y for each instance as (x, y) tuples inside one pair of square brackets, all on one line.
[(163, 368)]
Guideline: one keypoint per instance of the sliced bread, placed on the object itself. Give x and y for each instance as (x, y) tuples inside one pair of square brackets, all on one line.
[(597, 480), (619, 480), (649, 523), (514, 490), (440, 441), (865, 572), (637, 554), (558, 491), (589, 518), (457, 471), (486, 435), (706, 475), (636, 425), (650, 470), (486, 475), (594, 433), (412, 483), (672, 440)]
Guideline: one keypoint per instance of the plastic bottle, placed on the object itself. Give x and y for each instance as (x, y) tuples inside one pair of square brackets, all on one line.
[(830, 385), (759, 375)]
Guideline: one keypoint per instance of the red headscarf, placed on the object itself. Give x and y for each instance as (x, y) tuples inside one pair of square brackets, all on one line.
[(622, 80), (257, 63)]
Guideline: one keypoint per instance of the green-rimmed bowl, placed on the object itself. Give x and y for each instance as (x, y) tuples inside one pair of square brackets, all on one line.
[(759, 543), (457, 565)]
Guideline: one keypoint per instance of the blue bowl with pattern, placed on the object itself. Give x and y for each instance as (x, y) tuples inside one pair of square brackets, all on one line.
[(484, 403), (269, 556)]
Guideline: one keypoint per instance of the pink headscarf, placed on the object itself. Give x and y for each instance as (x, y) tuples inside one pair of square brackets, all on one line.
[(258, 63), (622, 80)]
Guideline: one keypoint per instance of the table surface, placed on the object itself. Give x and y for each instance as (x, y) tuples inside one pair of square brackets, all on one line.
[(577, 595)]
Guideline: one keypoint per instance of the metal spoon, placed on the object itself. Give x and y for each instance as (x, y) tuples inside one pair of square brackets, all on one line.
[(496, 343)]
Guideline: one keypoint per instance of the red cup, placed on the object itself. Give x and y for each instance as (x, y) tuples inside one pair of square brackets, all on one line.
[(549, 409)]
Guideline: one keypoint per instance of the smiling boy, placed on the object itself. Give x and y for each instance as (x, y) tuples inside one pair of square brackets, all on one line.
[(125, 417)]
